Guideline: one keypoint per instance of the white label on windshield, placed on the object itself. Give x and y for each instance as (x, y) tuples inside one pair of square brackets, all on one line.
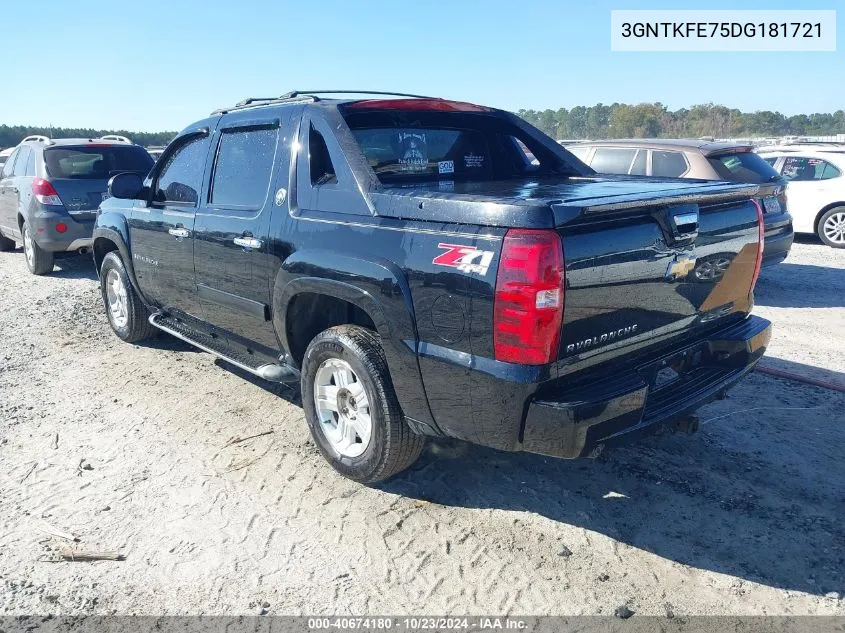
[(446, 167)]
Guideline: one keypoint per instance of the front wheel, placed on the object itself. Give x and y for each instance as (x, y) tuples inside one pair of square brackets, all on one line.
[(351, 407), (39, 261), (128, 316), (832, 227)]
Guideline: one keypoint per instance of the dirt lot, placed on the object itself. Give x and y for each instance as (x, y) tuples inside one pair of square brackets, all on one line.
[(125, 447)]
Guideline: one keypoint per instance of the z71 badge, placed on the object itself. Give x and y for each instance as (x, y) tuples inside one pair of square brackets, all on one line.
[(467, 259)]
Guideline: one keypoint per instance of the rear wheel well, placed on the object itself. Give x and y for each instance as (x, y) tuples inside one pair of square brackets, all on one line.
[(310, 313), (102, 247), (824, 210)]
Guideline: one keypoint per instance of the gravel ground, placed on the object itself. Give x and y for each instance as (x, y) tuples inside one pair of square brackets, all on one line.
[(125, 448)]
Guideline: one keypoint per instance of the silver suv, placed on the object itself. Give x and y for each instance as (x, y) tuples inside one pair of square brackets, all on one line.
[(705, 160), (50, 191)]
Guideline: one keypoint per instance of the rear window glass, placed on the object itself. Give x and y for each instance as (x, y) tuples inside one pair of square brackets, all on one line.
[(743, 167), (92, 162), (612, 160), (411, 145)]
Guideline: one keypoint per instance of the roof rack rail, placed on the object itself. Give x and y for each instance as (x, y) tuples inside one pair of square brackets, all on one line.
[(252, 102)]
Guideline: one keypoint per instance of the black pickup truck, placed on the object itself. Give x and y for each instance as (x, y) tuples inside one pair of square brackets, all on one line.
[(425, 267)]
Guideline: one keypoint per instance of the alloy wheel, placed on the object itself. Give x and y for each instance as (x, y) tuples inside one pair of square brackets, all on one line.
[(343, 407), (117, 298), (834, 228)]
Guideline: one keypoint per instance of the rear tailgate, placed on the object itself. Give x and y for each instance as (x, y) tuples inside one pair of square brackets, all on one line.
[(81, 197), (652, 267)]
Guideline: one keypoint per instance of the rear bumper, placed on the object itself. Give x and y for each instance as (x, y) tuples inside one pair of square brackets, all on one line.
[(76, 236), (778, 238), (609, 409)]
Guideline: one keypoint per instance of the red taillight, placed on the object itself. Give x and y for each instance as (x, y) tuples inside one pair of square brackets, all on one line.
[(761, 227), (44, 192), (528, 309), (435, 105), (61, 227)]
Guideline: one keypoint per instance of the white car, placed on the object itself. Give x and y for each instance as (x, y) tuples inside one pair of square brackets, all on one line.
[(816, 189)]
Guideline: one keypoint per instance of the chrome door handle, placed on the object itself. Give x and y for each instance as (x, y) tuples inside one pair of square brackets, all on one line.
[(179, 232), (248, 242)]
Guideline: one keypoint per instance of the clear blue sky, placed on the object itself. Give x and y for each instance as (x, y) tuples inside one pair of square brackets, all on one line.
[(158, 65)]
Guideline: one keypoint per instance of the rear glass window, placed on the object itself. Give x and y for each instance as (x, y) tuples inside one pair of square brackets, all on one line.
[(96, 162), (414, 145), (612, 160), (743, 167)]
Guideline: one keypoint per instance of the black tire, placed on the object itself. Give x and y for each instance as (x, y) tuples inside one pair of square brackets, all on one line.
[(393, 447), (6, 244), (40, 262), (838, 242), (137, 326)]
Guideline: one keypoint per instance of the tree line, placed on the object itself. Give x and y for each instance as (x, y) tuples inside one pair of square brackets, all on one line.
[(619, 120), (11, 135), (647, 120)]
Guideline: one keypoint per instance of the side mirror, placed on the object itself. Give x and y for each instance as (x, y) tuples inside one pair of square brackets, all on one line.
[(127, 186)]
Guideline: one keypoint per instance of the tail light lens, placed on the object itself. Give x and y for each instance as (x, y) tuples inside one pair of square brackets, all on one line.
[(761, 228), (44, 192), (528, 307)]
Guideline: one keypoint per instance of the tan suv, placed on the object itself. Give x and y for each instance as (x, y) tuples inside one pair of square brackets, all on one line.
[(700, 159)]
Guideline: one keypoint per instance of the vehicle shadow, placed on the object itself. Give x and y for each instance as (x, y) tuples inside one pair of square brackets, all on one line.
[(787, 285), (288, 392), (757, 494), (74, 266)]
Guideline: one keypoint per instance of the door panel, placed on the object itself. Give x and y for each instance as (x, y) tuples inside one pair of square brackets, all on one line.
[(230, 249), (8, 199), (161, 231)]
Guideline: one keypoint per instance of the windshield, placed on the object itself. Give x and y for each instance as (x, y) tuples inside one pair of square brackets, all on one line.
[(743, 167), (96, 161), (406, 146)]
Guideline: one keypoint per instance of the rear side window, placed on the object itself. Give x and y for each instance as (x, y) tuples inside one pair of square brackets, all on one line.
[(95, 162), (639, 167), (30, 165), (180, 179), (772, 160), (799, 168), (23, 157), (668, 164), (612, 160), (243, 168), (321, 167), (743, 167), (9, 165), (579, 152)]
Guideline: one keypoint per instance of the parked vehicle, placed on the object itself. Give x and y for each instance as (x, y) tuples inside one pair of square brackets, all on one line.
[(418, 273), (4, 155), (115, 138), (816, 189), (155, 152), (704, 159), (50, 190)]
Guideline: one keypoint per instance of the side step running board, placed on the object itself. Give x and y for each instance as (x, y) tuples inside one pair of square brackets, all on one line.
[(267, 371)]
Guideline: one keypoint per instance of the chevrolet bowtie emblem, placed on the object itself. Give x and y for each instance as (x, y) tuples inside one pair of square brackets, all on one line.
[(679, 267)]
